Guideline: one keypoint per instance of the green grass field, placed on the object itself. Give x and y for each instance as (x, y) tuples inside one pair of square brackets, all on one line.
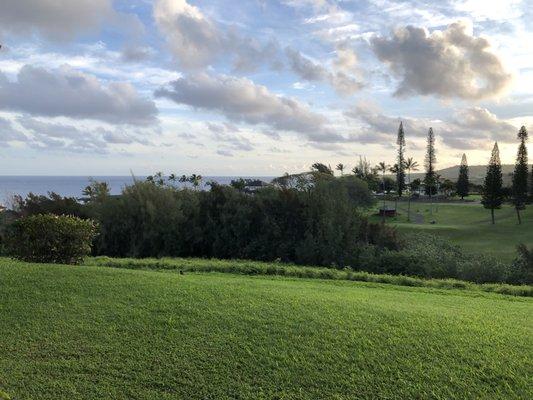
[(469, 226), (109, 333)]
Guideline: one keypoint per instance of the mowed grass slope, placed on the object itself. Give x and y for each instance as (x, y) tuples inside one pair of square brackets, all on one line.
[(469, 225), (103, 333)]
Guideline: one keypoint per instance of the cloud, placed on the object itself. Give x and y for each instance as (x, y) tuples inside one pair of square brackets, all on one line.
[(468, 128), (449, 63), (59, 136), (56, 20), (8, 133), (70, 93), (381, 128), (196, 41), (304, 67), (477, 127), (482, 120), (50, 134), (136, 54), (226, 135), (241, 100), (310, 71), (193, 38)]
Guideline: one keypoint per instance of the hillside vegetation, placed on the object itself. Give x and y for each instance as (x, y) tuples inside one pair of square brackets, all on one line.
[(93, 332)]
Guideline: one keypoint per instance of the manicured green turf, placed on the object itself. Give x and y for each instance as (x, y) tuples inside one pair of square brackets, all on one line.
[(94, 333), (469, 225)]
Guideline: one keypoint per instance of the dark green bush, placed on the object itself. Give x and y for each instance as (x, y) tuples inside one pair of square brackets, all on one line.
[(319, 223), (522, 267), (50, 238)]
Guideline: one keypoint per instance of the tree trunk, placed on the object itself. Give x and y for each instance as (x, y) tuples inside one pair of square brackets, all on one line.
[(492, 215), (518, 215)]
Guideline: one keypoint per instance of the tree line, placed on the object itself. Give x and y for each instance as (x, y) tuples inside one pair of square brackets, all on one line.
[(493, 192)]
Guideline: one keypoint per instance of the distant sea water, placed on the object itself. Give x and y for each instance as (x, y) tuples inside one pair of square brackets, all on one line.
[(72, 186)]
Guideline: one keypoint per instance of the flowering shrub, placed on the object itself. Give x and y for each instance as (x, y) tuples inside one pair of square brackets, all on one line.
[(51, 238)]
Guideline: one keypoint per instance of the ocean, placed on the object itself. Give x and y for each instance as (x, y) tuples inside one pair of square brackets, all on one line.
[(72, 186)]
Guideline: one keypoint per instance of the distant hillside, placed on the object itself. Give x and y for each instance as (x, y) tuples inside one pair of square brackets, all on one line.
[(477, 173)]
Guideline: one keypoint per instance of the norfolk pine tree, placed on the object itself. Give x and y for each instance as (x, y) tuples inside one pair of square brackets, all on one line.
[(400, 173), (492, 189), (430, 161), (520, 176), (463, 181)]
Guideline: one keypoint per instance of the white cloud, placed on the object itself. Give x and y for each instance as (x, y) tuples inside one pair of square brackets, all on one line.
[(341, 81), (470, 128), (196, 41), (240, 100), (67, 92), (449, 63), (193, 38)]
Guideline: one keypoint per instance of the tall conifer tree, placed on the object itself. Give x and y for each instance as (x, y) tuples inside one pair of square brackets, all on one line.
[(463, 180), (520, 176), (430, 162), (492, 189), (400, 174)]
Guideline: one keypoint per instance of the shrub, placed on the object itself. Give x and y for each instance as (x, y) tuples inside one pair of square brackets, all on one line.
[(428, 256), (51, 238), (522, 267)]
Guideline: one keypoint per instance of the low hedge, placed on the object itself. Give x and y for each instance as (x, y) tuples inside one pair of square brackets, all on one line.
[(246, 267)]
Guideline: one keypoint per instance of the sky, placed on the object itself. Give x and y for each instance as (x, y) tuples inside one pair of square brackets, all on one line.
[(258, 87)]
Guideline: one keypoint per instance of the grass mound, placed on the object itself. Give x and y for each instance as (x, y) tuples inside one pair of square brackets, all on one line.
[(92, 333)]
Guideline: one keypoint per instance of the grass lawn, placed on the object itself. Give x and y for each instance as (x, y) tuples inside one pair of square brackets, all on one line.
[(469, 225), (105, 333)]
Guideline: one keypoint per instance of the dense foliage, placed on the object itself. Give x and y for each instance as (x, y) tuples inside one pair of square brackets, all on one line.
[(51, 238), (312, 220), (52, 204)]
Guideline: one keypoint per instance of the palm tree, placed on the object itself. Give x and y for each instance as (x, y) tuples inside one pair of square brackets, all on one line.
[(394, 169), (184, 179), (340, 167), (383, 167), (410, 165), (195, 180)]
